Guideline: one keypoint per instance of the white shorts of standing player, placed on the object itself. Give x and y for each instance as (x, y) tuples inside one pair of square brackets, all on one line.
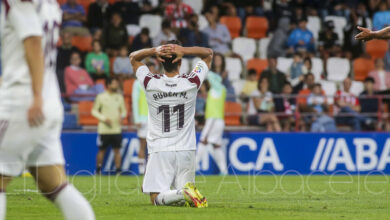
[(212, 135)]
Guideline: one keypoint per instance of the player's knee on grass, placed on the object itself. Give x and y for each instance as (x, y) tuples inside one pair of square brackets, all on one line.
[(153, 197)]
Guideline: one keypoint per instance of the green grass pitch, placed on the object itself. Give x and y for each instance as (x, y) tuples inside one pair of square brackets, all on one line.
[(230, 197)]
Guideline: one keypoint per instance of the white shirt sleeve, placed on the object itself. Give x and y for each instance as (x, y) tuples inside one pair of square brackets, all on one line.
[(201, 69), (142, 73), (24, 18)]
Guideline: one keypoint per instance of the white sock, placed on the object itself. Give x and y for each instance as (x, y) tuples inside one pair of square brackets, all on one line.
[(141, 166), (3, 205), (169, 197), (202, 149), (73, 205), (220, 159)]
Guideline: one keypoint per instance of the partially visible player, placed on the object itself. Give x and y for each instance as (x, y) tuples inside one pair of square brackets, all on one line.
[(367, 34), (170, 171), (213, 130), (31, 112)]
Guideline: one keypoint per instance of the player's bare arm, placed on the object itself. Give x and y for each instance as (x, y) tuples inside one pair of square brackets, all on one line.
[(206, 54), (34, 57), (136, 57), (367, 34)]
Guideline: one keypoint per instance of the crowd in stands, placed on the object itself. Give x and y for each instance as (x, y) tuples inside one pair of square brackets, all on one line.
[(290, 64)]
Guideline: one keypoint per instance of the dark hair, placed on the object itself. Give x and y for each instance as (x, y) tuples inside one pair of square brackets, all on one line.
[(145, 31), (223, 65), (167, 64), (96, 41), (252, 72), (166, 24), (286, 83), (110, 80), (369, 79)]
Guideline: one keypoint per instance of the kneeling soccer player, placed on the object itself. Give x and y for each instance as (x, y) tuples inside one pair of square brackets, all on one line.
[(170, 171)]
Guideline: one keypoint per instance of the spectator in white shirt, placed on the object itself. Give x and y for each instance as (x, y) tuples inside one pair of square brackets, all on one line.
[(165, 34)]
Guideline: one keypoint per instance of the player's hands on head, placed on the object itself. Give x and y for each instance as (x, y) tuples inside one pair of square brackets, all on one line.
[(178, 51), (163, 51), (35, 112), (365, 34)]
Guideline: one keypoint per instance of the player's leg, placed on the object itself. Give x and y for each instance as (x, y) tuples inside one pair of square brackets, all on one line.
[(102, 145), (116, 143), (51, 181), (4, 181)]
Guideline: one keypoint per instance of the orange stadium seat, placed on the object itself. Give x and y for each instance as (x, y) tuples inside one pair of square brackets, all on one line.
[(362, 67), (377, 48), (233, 23), (84, 43), (61, 2), (233, 112), (128, 87), (85, 116), (256, 27), (258, 64), (101, 82)]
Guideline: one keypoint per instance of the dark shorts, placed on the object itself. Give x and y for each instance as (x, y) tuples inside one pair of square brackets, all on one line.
[(110, 140)]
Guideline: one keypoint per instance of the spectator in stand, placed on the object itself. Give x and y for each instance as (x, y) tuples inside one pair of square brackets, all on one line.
[(97, 62), (63, 57), (381, 76), (275, 78), (129, 10), (114, 35), (98, 14), (369, 102), (382, 17), (285, 105), (348, 105), (73, 18), (297, 70), (324, 123), (277, 45), (79, 85), (141, 40), (218, 66), (178, 13), (328, 41), (301, 39), (261, 108), (316, 100), (192, 36), (122, 66), (282, 10), (166, 34), (218, 34), (250, 84)]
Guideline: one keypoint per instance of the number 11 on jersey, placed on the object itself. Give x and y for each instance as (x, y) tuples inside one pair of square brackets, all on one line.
[(166, 116)]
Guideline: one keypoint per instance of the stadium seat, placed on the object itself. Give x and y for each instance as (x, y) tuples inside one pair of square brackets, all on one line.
[(377, 48), (284, 64), (256, 27), (233, 112), (330, 90), (203, 23), (317, 68), (233, 23), (61, 2), (339, 25), (233, 67), (153, 22), (128, 87), (361, 68), (84, 43), (263, 47), (238, 85), (357, 87), (337, 69), (101, 82), (70, 122), (133, 29), (258, 64), (196, 5), (314, 25), (245, 47), (185, 66), (85, 115)]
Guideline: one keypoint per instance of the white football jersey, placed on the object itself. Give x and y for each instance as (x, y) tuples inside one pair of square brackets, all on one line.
[(21, 19), (171, 102)]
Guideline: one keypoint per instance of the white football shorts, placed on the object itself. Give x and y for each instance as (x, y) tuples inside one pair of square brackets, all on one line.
[(166, 170), (213, 131), (22, 146)]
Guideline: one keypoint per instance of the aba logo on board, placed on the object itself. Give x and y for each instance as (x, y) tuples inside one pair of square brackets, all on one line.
[(363, 155)]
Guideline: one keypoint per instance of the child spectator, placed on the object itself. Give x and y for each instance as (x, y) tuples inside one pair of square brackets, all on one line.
[(141, 40), (250, 84), (97, 62), (316, 99), (297, 70), (122, 65), (301, 39)]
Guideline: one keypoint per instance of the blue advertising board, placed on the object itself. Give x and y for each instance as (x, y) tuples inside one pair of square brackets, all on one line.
[(255, 153)]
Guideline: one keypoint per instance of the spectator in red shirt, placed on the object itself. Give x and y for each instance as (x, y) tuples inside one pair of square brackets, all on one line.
[(178, 13), (347, 106)]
